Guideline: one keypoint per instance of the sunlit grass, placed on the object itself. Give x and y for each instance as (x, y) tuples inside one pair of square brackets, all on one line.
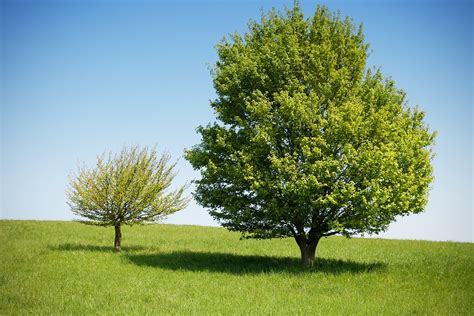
[(69, 268)]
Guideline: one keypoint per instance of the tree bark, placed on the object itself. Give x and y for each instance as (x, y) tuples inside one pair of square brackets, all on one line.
[(118, 238), (307, 249)]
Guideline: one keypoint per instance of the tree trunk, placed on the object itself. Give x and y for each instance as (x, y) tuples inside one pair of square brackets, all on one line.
[(118, 238), (308, 250)]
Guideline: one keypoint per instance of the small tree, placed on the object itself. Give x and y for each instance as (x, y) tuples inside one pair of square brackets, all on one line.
[(310, 143), (125, 189)]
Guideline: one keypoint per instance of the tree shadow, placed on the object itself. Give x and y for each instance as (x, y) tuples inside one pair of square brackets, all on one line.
[(92, 248), (246, 264)]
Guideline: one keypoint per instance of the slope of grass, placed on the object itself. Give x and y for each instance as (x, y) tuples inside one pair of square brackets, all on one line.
[(69, 268)]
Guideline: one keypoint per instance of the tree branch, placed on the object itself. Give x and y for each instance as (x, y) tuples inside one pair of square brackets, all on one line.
[(330, 233)]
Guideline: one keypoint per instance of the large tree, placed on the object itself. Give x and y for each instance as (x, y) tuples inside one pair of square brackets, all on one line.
[(309, 142), (129, 188)]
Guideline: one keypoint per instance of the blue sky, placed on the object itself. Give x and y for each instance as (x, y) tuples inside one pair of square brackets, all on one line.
[(82, 77)]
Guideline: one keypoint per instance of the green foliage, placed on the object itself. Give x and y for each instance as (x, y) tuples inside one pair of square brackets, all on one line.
[(309, 142), (128, 188), (64, 268)]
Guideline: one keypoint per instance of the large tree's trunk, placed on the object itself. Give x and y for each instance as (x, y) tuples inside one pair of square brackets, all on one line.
[(118, 238), (307, 249)]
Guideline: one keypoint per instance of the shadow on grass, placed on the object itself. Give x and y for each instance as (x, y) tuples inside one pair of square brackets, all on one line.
[(82, 247), (244, 264)]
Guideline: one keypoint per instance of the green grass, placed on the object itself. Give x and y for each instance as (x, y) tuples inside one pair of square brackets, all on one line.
[(70, 268)]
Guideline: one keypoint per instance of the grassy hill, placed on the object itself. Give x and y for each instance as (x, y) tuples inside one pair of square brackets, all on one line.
[(70, 268)]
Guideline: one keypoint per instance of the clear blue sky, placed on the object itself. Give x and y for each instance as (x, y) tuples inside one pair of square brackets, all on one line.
[(81, 77)]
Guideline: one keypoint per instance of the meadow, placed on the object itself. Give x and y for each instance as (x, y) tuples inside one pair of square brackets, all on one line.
[(70, 268)]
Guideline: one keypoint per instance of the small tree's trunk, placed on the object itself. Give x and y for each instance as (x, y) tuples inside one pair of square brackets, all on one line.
[(118, 238), (307, 249)]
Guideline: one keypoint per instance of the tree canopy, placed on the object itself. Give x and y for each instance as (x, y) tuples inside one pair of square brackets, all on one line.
[(309, 141), (131, 187)]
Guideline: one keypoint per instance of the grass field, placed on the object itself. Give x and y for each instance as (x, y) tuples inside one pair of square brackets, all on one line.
[(70, 268)]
